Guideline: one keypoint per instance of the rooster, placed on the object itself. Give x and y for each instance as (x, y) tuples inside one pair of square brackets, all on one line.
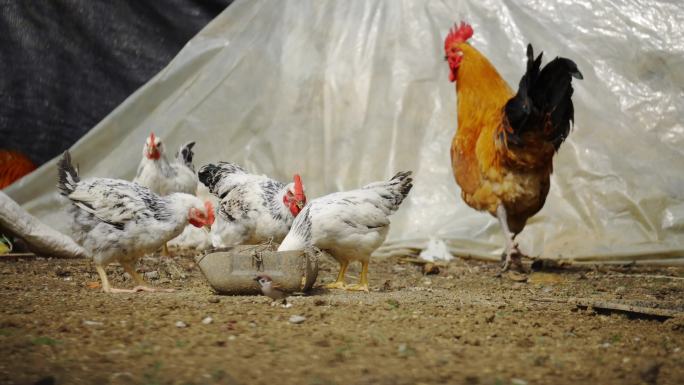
[(349, 225), (253, 208), (502, 153), (117, 220)]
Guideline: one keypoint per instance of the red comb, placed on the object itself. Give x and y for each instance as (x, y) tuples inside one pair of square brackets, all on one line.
[(210, 212), (458, 34), (299, 188)]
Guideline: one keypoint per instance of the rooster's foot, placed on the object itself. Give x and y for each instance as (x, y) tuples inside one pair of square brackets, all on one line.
[(358, 287), (335, 285)]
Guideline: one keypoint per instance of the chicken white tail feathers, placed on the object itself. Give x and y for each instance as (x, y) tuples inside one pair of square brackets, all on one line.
[(68, 175), (395, 190), (185, 155), (401, 185), (211, 174)]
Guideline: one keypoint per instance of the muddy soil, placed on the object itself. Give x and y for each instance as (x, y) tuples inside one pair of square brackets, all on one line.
[(461, 326)]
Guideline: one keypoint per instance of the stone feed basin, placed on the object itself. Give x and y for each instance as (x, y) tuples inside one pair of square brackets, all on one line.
[(231, 271)]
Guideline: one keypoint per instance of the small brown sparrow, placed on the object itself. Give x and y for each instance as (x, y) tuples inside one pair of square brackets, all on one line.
[(272, 290)]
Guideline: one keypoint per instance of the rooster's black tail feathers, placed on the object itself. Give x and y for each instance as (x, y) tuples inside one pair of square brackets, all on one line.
[(543, 94)]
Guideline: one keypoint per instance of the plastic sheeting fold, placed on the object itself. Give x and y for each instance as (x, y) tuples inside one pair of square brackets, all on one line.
[(347, 93)]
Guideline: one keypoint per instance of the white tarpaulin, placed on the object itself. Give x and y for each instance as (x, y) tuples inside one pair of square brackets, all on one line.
[(349, 92)]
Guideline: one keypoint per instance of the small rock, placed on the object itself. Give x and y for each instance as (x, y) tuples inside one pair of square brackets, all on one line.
[(92, 323), (518, 381), (207, 320), (430, 268), (181, 324), (152, 274), (651, 372), (214, 299), (297, 319), (231, 338), (121, 378)]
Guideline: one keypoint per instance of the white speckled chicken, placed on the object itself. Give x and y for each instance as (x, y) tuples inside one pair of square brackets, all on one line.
[(120, 221), (163, 177), (253, 208), (349, 225)]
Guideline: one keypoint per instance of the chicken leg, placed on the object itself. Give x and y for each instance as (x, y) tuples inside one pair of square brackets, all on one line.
[(363, 280), (339, 283), (140, 282), (105, 282), (512, 253)]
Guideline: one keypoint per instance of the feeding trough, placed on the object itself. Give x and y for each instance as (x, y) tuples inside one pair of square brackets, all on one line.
[(232, 271)]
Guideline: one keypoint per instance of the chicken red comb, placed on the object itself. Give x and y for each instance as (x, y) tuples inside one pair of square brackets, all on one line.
[(299, 188), (458, 34), (210, 212)]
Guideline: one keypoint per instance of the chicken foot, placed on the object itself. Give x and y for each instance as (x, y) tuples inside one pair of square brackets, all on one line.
[(339, 283), (106, 287), (363, 280), (512, 254), (128, 267)]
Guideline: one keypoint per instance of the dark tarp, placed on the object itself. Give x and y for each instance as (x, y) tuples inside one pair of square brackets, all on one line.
[(65, 64)]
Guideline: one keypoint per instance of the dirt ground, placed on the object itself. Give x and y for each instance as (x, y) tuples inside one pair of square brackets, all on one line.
[(461, 326)]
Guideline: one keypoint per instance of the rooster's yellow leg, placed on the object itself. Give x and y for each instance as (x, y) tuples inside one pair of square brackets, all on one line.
[(105, 282), (363, 281), (165, 251), (511, 254), (339, 284)]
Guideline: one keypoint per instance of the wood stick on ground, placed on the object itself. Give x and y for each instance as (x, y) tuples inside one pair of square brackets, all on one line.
[(620, 275), (614, 306)]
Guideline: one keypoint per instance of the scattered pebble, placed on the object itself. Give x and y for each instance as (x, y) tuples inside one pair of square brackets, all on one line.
[(152, 274), (214, 299), (122, 378), (518, 381), (92, 323), (207, 320), (231, 338), (297, 319), (181, 324)]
